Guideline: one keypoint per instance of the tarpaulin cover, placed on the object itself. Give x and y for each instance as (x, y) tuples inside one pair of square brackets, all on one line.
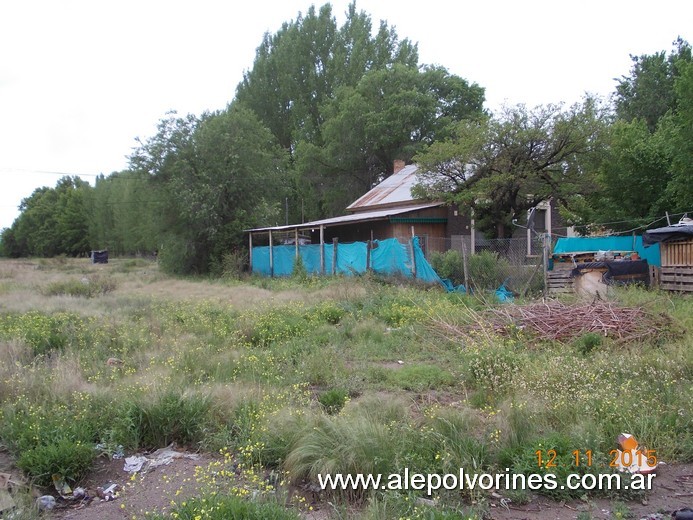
[(389, 257), (624, 243), (630, 271), (653, 236)]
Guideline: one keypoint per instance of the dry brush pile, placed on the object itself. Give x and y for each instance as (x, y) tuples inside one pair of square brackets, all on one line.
[(553, 320)]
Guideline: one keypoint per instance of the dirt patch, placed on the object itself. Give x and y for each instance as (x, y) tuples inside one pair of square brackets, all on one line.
[(155, 491), (151, 492)]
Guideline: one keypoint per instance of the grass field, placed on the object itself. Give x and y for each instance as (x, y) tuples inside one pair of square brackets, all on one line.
[(288, 379)]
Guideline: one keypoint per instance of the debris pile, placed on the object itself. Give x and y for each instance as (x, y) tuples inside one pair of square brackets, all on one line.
[(557, 321)]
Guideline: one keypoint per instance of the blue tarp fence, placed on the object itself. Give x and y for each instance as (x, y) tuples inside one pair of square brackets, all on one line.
[(388, 257), (624, 243)]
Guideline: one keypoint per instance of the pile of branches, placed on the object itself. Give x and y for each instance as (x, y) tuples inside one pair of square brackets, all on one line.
[(558, 321)]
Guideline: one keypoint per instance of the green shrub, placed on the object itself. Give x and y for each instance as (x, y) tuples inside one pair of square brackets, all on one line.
[(449, 265), (487, 270), (588, 342), (333, 400), (69, 459)]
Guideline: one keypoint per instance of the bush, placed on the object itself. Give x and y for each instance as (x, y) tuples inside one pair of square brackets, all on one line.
[(449, 265), (333, 400), (487, 270), (69, 459)]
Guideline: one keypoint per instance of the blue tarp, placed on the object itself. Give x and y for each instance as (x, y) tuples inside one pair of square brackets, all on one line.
[(625, 243), (389, 257)]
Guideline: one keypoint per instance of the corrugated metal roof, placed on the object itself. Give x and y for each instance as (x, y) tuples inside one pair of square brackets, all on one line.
[(396, 189), (350, 219)]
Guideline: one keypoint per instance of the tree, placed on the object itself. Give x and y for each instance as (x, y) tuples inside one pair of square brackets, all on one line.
[(502, 166), (648, 93), (52, 221), (390, 114), (298, 69), (217, 175)]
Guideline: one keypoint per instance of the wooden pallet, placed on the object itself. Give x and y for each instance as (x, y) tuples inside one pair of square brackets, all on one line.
[(560, 281), (677, 278)]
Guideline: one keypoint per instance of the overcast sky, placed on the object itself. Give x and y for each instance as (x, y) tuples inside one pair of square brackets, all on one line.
[(81, 79)]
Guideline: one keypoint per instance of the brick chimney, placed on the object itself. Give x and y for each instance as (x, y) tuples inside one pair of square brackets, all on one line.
[(398, 165)]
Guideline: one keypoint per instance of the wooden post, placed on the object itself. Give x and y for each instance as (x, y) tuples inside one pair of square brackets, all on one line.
[(546, 263), (464, 266), (271, 252), (250, 251), (322, 249), (335, 242), (368, 255), (472, 244)]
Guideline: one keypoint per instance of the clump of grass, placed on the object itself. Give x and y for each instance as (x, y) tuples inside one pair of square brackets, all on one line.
[(418, 378), (347, 445), (70, 459), (333, 400), (173, 416), (84, 288)]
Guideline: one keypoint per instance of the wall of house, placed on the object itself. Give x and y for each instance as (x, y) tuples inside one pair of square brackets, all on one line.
[(382, 229)]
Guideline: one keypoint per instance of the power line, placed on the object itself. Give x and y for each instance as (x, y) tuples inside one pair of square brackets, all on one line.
[(49, 172)]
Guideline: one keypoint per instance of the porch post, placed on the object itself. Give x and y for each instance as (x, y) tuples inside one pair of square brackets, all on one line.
[(250, 251), (271, 252), (322, 249)]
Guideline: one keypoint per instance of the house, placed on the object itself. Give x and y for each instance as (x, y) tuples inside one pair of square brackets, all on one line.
[(389, 211)]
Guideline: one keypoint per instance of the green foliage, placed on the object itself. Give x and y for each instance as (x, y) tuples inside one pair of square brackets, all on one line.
[(390, 114), (217, 175), (419, 378), (44, 333), (177, 417), (449, 265), (52, 221), (487, 270), (648, 93), (588, 342), (65, 457), (333, 400), (504, 165)]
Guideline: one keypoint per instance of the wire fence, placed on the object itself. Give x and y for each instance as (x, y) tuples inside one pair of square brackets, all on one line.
[(485, 264)]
